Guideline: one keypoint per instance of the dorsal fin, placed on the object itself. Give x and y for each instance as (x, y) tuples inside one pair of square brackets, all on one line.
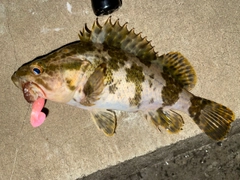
[(177, 67), (119, 36)]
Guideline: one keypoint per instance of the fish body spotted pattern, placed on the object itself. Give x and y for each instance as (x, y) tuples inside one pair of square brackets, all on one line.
[(112, 68)]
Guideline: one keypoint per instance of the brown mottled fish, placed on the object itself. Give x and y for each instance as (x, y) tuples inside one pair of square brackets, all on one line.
[(112, 68)]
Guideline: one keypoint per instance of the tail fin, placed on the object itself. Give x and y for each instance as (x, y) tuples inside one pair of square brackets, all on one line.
[(213, 118)]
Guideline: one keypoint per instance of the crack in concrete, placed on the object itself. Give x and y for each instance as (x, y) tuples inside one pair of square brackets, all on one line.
[(14, 163)]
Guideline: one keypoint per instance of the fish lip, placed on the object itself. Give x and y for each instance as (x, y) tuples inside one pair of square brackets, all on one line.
[(15, 80), (32, 92)]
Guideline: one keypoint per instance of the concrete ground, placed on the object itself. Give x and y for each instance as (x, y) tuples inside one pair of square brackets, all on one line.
[(68, 145), (196, 158)]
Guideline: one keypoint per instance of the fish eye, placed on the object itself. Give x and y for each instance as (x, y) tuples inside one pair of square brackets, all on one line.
[(37, 70)]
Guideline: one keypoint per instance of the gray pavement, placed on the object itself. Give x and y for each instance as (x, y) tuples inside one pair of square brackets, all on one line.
[(196, 158)]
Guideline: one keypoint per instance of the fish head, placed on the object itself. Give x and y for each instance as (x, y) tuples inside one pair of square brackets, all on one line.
[(26, 78), (51, 77)]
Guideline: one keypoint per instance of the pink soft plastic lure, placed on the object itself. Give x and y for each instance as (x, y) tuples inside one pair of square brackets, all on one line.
[(37, 117)]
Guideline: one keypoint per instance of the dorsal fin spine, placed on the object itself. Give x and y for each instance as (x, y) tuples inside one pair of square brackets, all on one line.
[(88, 30), (115, 35)]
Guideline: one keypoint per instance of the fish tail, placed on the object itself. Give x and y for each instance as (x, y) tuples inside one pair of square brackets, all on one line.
[(213, 118)]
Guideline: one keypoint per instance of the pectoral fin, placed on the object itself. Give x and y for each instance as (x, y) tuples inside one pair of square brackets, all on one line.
[(94, 86), (105, 121), (169, 119)]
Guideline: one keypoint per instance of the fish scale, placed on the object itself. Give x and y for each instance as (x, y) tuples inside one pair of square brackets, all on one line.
[(113, 68)]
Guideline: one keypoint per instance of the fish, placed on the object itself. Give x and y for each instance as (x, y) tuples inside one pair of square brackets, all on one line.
[(112, 68)]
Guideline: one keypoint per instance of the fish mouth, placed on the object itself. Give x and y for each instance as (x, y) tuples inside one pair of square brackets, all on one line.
[(32, 92)]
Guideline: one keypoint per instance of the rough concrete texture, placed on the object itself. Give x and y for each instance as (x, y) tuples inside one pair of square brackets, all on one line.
[(196, 158), (68, 145)]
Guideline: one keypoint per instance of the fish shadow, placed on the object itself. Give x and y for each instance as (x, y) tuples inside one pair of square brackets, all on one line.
[(45, 111)]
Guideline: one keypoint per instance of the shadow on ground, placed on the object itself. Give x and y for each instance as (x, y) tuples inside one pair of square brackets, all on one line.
[(193, 158)]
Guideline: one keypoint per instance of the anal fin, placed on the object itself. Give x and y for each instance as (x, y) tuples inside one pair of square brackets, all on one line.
[(169, 119), (105, 121)]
